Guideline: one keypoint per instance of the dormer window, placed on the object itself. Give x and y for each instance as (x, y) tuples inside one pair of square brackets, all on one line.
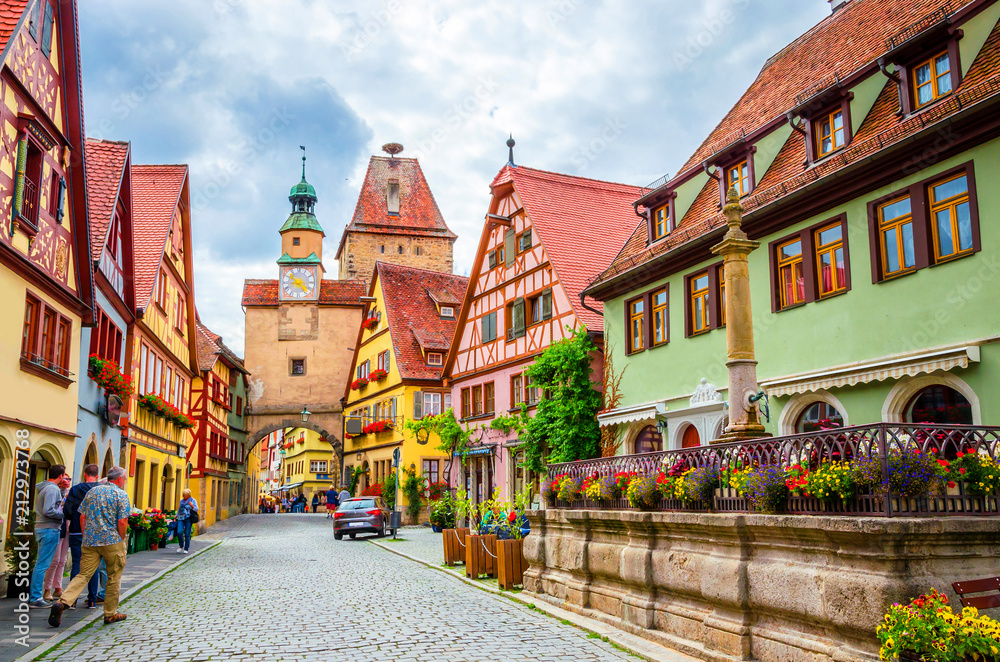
[(932, 79), (738, 176), (435, 358), (448, 311), (392, 197), (830, 133), (661, 222)]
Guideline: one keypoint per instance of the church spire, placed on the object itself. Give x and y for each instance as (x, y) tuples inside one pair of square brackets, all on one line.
[(303, 199)]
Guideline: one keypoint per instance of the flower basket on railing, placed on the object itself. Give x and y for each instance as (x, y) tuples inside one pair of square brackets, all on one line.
[(160, 407), (377, 426), (110, 377), (377, 375), (359, 383), (883, 470)]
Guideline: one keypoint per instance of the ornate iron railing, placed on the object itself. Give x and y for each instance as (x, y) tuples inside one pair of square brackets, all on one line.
[(857, 443)]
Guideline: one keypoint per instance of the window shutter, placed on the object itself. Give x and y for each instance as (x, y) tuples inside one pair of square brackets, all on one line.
[(518, 315), (22, 164), (547, 304), (493, 259), (508, 247), (47, 29), (418, 405), (61, 200)]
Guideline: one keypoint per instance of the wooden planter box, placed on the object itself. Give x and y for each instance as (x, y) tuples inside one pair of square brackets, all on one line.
[(454, 545), (510, 563), (480, 556)]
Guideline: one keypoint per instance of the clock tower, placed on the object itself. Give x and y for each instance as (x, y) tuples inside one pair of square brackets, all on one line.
[(301, 263)]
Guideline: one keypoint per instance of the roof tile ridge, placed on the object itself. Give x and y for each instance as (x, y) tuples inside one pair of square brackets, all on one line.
[(602, 183)]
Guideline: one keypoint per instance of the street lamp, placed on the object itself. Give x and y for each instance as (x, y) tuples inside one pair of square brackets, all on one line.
[(305, 414)]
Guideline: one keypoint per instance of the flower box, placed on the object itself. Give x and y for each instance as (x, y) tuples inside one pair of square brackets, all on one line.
[(370, 323), (377, 426), (160, 407), (110, 377), (359, 383), (377, 375), (510, 563)]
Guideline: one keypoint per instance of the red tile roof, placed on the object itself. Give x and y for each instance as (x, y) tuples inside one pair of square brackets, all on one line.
[(11, 12), (839, 45), (264, 292), (413, 317), (105, 162), (881, 128), (418, 211), (156, 189), (582, 223), (210, 346)]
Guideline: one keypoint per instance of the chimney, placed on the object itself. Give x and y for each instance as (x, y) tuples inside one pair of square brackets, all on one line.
[(836, 5)]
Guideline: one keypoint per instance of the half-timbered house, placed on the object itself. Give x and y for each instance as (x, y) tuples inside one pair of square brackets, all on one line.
[(162, 352), (214, 457), (535, 257), (103, 352), (46, 287)]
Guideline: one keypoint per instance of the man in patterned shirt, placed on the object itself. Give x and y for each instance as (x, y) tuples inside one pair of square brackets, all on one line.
[(104, 519)]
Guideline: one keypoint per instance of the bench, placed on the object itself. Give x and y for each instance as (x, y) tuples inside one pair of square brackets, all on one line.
[(979, 586)]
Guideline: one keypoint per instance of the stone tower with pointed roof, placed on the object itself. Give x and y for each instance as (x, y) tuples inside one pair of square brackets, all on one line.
[(302, 235), (396, 220)]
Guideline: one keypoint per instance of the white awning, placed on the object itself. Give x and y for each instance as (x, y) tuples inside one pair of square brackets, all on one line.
[(911, 364), (647, 411)]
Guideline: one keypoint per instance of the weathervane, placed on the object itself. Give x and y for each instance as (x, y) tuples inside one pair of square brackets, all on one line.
[(303, 148)]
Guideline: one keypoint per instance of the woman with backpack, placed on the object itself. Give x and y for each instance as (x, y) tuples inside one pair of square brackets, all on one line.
[(187, 515)]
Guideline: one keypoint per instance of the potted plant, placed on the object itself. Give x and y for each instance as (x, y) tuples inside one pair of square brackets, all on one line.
[(510, 552), (377, 375), (442, 513), (370, 322)]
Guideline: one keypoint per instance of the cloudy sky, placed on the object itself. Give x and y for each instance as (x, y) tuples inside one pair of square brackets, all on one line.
[(611, 89)]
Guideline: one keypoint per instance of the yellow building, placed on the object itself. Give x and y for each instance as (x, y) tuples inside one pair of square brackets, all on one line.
[(213, 454), (308, 464), (161, 352), (46, 280), (396, 372)]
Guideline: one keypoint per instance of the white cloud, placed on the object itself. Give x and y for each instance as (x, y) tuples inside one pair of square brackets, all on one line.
[(447, 78)]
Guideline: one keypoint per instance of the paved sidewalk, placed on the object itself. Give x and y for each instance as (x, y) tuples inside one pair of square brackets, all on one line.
[(139, 568)]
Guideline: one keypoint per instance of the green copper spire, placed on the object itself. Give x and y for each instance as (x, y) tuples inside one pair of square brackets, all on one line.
[(303, 199)]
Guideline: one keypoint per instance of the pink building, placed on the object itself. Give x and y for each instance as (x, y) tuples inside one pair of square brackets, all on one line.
[(546, 236)]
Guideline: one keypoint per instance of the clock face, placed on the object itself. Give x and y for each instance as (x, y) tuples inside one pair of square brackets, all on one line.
[(298, 283)]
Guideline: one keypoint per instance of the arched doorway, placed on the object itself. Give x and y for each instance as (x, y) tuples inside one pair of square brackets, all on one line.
[(939, 404), (819, 416), (649, 440), (168, 477), (363, 482), (109, 462), (691, 438), (90, 457)]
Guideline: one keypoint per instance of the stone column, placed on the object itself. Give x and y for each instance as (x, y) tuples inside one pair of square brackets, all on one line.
[(735, 247)]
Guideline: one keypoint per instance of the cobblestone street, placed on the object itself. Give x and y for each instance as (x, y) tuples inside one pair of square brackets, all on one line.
[(279, 587)]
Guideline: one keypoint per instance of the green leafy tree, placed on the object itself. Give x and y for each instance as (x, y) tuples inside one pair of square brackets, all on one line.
[(564, 427)]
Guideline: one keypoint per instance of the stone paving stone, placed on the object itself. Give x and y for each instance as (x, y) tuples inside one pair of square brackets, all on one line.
[(280, 587)]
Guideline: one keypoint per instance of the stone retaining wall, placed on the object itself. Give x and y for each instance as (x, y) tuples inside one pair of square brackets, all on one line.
[(752, 587)]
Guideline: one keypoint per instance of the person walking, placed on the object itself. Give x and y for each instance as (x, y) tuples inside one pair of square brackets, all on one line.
[(332, 501), (284, 504), (261, 506), (344, 495), (74, 536), (104, 518), (48, 521), (187, 513), (53, 576), (315, 502)]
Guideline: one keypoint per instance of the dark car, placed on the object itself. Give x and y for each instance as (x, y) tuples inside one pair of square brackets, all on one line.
[(361, 515)]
